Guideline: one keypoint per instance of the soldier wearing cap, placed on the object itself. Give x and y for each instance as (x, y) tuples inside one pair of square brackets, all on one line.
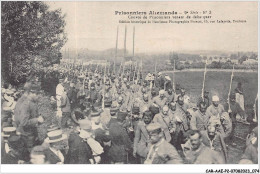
[(94, 96), (142, 139), (204, 99), (27, 118), (170, 95), (160, 100), (186, 98), (160, 152), (144, 103), (182, 122), (181, 113), (164, 119), (200, 119), (160, 81), (215, 109)]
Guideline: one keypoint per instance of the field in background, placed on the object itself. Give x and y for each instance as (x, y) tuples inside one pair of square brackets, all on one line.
[(218, 83)]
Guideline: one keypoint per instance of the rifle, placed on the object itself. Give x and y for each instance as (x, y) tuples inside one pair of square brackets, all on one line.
[(230, 85), (203, 84), (255, 113), (103, 98)]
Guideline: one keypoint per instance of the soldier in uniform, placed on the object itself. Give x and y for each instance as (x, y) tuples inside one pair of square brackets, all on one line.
[(160, 100), (204, 99), (141, 139), (94, 97), (164, 119), (26, 117), (199, 120), (199, 153), (182, 123), (167, 83), (170, 95), (233, 109), (226, 124), (144, 103), (160, 152), (214, 141), (215, 109)]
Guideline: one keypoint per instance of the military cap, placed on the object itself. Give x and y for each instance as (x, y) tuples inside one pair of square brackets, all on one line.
[(215, 98), (153, 127)]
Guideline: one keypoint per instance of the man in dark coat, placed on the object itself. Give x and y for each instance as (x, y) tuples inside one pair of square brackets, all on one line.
[(72, 95), (18, 153), (79, 150), (27, 117), (120, 141), (54, 154)]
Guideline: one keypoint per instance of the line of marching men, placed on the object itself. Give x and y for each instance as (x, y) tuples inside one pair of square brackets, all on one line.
[(119, 121)]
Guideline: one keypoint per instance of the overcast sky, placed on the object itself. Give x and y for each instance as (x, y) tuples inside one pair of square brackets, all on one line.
[(93, 25)]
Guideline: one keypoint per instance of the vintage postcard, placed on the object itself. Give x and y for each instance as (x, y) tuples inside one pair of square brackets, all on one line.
[(129, 83)]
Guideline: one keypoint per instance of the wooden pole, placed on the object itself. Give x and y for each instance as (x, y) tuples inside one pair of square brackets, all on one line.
[(155, 68), (116, 50), (134, 42), (125, 42)]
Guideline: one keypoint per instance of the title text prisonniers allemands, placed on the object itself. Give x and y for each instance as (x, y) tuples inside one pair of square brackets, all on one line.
[(145, 13)]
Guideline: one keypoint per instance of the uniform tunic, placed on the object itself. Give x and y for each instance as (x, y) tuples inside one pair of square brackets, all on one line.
[(163, 153), (199, 121)]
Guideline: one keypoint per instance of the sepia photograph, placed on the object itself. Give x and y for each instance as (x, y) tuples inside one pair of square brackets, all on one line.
[(130, 83)]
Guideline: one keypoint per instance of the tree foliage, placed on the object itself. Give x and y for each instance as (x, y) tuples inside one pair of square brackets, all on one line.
[(32, 37)]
